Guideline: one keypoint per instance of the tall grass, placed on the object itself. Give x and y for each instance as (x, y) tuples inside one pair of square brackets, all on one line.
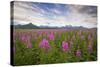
[(59, 46)]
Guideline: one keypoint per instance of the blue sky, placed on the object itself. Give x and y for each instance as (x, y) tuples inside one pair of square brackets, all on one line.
[(51, 14)]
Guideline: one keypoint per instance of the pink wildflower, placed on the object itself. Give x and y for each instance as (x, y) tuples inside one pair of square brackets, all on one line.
[(65, 46), (51, 36), (78, 53), (44, 44), (27, 40), (90, 47)]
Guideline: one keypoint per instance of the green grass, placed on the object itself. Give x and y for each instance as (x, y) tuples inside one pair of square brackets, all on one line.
[(35, 55)]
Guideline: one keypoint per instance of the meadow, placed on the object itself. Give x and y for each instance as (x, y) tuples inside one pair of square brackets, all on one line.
[(48, 46)]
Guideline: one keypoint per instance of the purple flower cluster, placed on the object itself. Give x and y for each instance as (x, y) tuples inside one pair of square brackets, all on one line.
[(90, 47), (65, 46), (44, 44), (51, 36), (78, 53), (26, 40)]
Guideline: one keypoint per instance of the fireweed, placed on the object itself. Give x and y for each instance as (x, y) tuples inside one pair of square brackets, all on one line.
[(51, 36), (44, 44), (90, 47), (78, 53), (26, 39), (65, 46)]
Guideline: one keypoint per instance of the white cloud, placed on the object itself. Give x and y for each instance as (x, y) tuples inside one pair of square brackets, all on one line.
[(25, 13)]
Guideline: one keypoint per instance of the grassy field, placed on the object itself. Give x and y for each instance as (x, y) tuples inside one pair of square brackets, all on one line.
[(47, 46)]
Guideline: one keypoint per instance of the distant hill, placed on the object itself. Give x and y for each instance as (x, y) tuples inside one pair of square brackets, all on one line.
[(64, 27), (26, 26), (32, 26), (73, 27)]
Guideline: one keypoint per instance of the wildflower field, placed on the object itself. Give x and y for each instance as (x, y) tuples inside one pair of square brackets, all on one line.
[(48, 46)]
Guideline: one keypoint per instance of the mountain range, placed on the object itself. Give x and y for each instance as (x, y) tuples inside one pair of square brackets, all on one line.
[(32, 26)]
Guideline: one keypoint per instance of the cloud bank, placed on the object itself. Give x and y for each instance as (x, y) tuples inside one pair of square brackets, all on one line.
[(50, 14)]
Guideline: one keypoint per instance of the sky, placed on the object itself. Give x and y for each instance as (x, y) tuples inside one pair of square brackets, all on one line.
[(54, 14)]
